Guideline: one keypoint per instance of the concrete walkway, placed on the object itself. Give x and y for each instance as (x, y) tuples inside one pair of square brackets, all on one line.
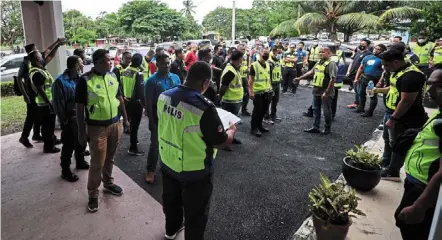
[(38, 204)]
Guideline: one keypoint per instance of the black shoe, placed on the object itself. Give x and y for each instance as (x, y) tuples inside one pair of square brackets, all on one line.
[(92, 205), (37, 138), (53, 150), (246, 113), (236, 141), (87, 153), (69, 176), (26, 142), (307, 114), (312, 130), (367, 114), (263, 129), (276, 119), (381, 127), (135, 152), (57, 141), (256, 132), (114, 189), (350, 88), (171, 237), (326, 131), (359, 111), (386, 175), (82, 165)]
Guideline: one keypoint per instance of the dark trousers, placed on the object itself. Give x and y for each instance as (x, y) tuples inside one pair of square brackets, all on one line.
[(363, 84), (298, 70), (47, 120), (154, 151), (274, 101), (261, 104), (245, 99), (231, 107), (413, 231), (356, 89), (334, 105), (69, 138), (190, 200), (135, 111), (288, 76), (32, 120), (326, 107)]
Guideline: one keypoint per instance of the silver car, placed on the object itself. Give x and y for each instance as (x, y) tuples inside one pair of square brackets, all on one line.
[(9, 66)]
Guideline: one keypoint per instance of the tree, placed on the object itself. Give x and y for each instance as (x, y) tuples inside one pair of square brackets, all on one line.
[(345, 16), (219, 20), (74, 19), (430, 22), (83, 36), (108, 24), (188, 9), (11, 24)]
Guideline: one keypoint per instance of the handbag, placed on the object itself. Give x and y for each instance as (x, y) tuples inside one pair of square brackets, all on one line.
[(405, 140)]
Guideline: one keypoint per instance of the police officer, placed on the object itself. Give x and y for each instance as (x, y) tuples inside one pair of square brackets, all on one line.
[(145, 66), (276, 76), (423, 49), (325, 72), (414, 215), (337, 57), (436, 54), (190, 130), (260, 89), (290, 70), (313, 54), (118, 69), (244, 71), (133, 93), (63, 91), (98, 94), (41, 82)]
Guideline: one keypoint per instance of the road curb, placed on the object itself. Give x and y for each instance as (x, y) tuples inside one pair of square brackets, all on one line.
[(307, 231)]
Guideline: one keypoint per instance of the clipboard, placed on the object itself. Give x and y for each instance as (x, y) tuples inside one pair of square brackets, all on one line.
[(227, 118)]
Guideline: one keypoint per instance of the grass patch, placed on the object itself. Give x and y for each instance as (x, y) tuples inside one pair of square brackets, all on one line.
[(13, 114)]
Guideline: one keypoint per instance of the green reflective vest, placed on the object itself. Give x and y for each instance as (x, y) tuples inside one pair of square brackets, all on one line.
[(314, 54), (276, 71), (47, 86), (145, 70), (290, 55), (102, 104), (393, 94), (128, 80), (261, 82), (120, 68), (339, 53), (320, 79), (182, 148), (244, 68), (437, 57), (234, 92), (423, 152), (423, 52)]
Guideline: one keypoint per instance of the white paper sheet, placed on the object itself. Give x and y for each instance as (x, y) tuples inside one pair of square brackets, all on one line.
[(227, 118)]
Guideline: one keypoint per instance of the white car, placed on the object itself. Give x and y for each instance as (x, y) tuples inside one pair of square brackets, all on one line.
[(9, 66)]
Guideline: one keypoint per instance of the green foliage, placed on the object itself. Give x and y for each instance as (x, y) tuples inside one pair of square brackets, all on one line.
[(108, 24), (432, 19), (7, 89), (363, 159), (188, 9), (13, 114), (83, 36), (331, 202), (76, 24), (11, 24)]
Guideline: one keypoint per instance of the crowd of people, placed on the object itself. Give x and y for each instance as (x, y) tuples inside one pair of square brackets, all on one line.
[(179, 90)]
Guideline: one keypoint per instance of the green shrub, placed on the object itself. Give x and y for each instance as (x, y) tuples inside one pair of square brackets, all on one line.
[(363, 159), (331, 202), (7, 89)]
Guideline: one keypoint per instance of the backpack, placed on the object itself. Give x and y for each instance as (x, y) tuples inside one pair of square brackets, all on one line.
[(17, 90)]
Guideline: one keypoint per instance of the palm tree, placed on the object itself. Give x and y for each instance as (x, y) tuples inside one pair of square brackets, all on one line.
[(188, 9), (345, 16)]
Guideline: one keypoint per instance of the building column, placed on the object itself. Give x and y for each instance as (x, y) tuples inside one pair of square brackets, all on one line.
[(42, 25)]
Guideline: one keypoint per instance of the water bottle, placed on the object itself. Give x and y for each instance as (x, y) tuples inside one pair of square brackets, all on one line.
[(370, 89)]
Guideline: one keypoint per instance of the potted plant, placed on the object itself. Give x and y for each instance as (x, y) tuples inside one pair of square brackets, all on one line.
[(332, 205), (362, 169)]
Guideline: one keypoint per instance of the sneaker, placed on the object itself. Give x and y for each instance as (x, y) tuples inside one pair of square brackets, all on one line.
[(150, 177), (171, 237), (114, 189), (92, 205), (386, 175), (135, 152), (352, 106), (37, 138), (276, 119), (26, 142), (53, 150), (268, 121), (312, 130)]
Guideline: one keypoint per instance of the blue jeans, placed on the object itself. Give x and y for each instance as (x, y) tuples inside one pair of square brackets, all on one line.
[(392, 161)]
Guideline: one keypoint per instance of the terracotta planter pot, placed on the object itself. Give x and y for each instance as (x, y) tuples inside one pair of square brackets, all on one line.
[(360, 179), (331, 232)]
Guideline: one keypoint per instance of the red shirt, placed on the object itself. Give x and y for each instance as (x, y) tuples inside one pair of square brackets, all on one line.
[(190, 59)]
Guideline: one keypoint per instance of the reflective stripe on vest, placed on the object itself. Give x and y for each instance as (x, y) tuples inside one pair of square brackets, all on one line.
[(393, 94), (47, 85), (423, 152), (261, 82), (423, 52), (244, 68), (128, 80), (314, 55), (234, 92), (182, 148), (320, 79), (437, 57), (102, 104), (146, 70), (276, 71)]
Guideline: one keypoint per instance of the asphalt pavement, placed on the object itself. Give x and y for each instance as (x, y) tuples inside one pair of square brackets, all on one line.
[(261, 188)]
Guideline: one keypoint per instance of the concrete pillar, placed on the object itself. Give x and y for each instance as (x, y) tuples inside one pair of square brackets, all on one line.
[(42, 26)]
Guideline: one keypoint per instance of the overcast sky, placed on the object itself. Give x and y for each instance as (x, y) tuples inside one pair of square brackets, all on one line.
[(93, 8)]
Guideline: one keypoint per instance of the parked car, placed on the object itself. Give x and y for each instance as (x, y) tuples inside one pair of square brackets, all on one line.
[(9, 66), (113, 52)]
